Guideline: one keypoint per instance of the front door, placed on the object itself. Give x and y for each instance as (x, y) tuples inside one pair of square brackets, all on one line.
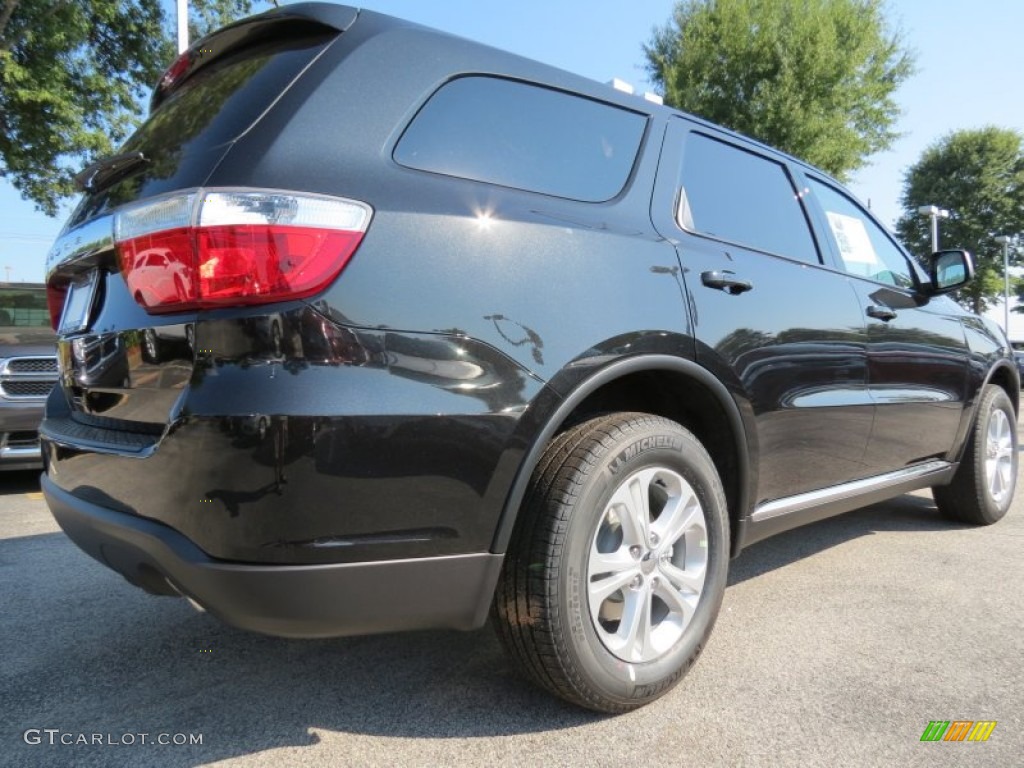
[(917, 350)]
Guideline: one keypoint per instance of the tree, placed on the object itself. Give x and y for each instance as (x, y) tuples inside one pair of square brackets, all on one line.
[(208, 15), (815, 78), (73, 78), (978, 175)]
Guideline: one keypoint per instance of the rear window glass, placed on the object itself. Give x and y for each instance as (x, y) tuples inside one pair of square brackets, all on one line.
[(212, 108), (526, 137), (221, 100)]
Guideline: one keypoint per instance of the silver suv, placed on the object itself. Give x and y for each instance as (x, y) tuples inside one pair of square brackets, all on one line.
[(28, 371)]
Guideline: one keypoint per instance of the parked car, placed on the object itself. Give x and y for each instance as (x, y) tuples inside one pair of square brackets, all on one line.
[(1018, 355), (548, 351), (28, 371)]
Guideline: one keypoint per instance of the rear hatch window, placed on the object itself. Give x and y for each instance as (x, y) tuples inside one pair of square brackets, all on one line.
[(123, 369), (193, 126)]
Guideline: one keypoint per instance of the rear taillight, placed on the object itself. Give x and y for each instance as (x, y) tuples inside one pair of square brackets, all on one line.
[(56, 292), (175, 72), (215, 248)]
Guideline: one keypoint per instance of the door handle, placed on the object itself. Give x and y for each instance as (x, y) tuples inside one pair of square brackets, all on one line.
[(725, 280), (881, 312)]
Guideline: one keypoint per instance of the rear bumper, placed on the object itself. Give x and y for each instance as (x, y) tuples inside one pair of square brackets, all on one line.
[(324, 600)]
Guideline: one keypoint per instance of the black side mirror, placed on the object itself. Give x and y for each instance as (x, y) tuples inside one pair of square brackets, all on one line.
[(950, 270)]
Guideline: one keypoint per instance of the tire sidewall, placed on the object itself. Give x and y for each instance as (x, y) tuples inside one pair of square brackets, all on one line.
[(656, 446)]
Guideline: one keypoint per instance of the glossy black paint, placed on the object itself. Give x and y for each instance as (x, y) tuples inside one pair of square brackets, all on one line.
[(400, 413), (918, 373), (321, 444), (793, 346)]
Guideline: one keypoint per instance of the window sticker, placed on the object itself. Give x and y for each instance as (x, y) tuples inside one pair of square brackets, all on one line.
[(854, 242)]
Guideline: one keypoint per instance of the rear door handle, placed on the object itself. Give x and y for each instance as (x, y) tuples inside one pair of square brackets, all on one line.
[(725, 280), (880, 312)]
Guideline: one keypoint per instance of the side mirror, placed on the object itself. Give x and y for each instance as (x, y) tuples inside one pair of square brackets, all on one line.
[(950, 270)]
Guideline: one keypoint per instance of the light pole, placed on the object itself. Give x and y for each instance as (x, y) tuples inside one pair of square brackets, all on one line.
[(1005, 241), (182, 25), (935, 213)]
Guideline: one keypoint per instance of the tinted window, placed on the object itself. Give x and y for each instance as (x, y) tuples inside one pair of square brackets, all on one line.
[(213, 107), (523, 136), (735, 195), (864, 247)]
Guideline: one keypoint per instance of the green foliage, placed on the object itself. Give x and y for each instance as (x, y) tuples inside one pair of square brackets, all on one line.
[(207, 15), (815, 78), (978, 175), (73, 81)]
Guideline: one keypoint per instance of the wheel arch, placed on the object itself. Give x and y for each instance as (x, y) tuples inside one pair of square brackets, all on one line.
[(664, 385), (1001, 374), (1004, 375)]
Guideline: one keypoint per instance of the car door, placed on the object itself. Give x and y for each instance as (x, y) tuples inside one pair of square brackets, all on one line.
[(917, 349), (784, 332)]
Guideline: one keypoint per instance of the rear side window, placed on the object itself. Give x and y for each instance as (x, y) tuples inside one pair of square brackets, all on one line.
[(735, 195), (526, 137)]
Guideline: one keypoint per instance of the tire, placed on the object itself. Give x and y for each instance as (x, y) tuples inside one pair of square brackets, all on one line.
[(575, 531), (151, 345), (982, 488)]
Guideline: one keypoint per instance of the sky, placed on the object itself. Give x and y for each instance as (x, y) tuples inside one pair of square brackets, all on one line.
[(969, 55)]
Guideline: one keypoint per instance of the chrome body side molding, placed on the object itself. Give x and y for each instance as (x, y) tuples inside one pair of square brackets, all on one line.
[(783, 514)]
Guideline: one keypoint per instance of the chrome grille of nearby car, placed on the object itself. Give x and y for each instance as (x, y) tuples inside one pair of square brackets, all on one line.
[(32, 365), (27, 378), (27, 388)]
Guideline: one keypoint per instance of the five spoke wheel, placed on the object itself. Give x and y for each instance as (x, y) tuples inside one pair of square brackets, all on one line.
[(999, 449), (647, 564)]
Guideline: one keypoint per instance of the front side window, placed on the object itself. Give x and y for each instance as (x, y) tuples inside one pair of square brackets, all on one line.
[(526, 137), (864, 247), (734, 195)]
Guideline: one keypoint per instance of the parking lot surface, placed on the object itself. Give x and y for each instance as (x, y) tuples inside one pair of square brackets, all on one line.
[(837, 644)]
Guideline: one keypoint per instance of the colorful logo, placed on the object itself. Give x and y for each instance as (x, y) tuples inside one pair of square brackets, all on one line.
[(958, 730)]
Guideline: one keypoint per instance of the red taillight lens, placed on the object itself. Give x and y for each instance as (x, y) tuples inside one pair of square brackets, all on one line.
[(56, 293), (228, 248), (175, 72), (275, 261), (158, 268)]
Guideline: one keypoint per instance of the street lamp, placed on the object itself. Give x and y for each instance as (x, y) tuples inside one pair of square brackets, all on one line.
[(182, 17), (1005, 241), (935, 213)]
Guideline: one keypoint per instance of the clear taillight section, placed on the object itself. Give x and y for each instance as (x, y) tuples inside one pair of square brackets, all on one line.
[(215, 248)]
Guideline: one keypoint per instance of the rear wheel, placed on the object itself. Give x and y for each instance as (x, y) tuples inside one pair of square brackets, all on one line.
[(618, 563), (983, 486)]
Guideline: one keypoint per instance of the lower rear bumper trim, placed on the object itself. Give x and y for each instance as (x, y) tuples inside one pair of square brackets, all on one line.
[(325, 600)]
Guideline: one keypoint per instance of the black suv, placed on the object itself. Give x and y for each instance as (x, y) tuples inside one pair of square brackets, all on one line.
[(445, 332)]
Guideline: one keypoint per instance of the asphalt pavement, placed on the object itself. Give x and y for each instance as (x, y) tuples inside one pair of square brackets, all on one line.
[(837, 644)]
